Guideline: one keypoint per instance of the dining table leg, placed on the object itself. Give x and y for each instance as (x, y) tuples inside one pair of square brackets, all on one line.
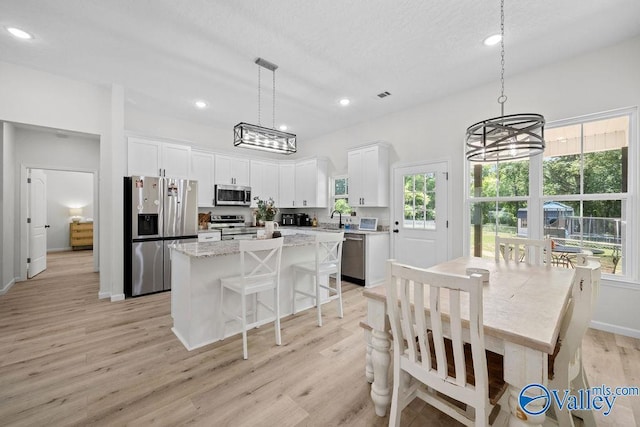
[(523, 367), (368, 370), (380, 356)]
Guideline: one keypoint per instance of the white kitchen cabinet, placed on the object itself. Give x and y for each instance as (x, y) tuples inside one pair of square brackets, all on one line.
[(369, 176), (232, 170), (264, 181), (147, 157), (311, 184), (286, 187), (202, 168), (144, 157), (176, 160)]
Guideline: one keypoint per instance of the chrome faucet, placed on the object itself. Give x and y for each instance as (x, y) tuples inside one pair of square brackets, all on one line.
[(340, 224)]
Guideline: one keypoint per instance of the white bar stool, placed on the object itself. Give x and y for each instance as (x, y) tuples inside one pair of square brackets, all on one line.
[(260, 272), (328, 262)]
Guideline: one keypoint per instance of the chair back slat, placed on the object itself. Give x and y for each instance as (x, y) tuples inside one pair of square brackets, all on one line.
[(456, 336), (329, 250), (260, 259), (421, 325), (449, 296), (531, 251), (408, 324), (436, 328)]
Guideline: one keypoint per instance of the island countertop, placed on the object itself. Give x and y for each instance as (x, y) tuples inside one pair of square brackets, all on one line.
[(227, 247)]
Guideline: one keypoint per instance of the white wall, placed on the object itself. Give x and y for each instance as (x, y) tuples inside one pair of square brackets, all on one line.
[(8, 274), (65, 190), (42, 148), (42, 99), (598, 81)]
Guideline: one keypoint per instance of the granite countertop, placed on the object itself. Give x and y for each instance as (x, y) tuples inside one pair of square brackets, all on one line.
[(334, 230), (229, 247)]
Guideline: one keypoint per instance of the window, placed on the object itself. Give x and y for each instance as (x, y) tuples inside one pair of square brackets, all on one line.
[(420, 201), (340, 194), (580, 187)]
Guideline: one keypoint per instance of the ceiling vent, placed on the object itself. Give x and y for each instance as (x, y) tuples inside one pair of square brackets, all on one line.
[(383, 94)]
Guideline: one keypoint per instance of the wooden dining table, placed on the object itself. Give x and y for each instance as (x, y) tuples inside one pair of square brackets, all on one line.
[(523, 307)]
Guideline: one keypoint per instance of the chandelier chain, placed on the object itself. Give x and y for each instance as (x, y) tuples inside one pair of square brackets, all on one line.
[(274, 99), (259, 90), (502, 99)]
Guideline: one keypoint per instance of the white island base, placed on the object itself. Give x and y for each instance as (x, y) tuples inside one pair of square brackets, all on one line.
[(196, 269)]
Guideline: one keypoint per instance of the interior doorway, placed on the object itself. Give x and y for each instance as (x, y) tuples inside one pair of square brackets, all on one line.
[(60, 215), (58, 153)]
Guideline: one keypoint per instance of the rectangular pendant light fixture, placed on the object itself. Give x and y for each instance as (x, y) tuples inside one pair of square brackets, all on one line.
[(260, 138), (257, 137)]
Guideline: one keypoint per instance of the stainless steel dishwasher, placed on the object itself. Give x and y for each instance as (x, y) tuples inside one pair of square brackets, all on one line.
[(353, 258)]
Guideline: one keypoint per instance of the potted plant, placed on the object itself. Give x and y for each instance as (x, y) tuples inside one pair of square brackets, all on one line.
[(266, 212)]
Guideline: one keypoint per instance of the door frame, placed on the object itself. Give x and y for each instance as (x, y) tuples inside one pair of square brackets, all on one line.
[(24, 213), (393, 208)]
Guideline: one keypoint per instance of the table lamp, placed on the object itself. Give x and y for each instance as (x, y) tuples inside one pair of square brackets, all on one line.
[(76, 214)]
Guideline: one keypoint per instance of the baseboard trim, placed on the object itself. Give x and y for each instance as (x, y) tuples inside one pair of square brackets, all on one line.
[(620, 330), (7, 286), (103, 295), (118, 297)]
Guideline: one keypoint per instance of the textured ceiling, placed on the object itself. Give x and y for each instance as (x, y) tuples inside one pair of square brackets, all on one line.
[(168, 53)]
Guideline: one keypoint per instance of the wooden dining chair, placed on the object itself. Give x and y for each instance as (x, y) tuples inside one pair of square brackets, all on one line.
[(568, 370), (430, 359), (260, 272), (328, 262), (531, 251)]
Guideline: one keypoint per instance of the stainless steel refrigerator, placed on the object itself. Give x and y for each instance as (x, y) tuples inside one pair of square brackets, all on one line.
[(158, 212)]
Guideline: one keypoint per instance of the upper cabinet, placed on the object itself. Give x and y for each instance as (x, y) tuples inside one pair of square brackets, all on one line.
[(286, 188), (264, 181), (202, 167), (369, 176), (153, 158), (311, 184), (232, 170)]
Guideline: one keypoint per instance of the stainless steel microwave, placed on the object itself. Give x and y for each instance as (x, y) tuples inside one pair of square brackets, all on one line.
[(233, 195)]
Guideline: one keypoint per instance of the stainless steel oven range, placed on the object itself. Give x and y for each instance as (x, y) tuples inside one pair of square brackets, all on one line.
[(233, 227)]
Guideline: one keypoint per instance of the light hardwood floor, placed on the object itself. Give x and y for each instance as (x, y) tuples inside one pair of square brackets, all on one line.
[(67, 358)]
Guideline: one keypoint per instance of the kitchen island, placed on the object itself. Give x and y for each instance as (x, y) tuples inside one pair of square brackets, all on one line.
[(196, 269)]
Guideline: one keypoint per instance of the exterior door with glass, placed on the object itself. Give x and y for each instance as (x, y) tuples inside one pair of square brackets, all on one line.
[(419, 218)]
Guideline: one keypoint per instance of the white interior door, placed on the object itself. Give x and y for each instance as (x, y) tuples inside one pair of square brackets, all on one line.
[(419, 218), (38, 226)]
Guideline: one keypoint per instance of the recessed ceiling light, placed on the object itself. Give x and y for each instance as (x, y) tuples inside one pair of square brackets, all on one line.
[(283, 127), (345, 101), (201, 104), (492, 40), (18, 33)]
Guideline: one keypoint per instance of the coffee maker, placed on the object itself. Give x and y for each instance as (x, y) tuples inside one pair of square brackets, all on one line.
[(302, 220), (288, 219)]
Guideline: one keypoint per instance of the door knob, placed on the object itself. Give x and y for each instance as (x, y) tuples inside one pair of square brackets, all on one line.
[(395, 230), (47, 226)]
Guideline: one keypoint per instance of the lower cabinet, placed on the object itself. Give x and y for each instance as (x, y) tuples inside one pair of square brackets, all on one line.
[(364, 256), (81, 235)]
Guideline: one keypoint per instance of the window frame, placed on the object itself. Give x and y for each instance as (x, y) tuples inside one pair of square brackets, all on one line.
[(333, 198), (536, 198)]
